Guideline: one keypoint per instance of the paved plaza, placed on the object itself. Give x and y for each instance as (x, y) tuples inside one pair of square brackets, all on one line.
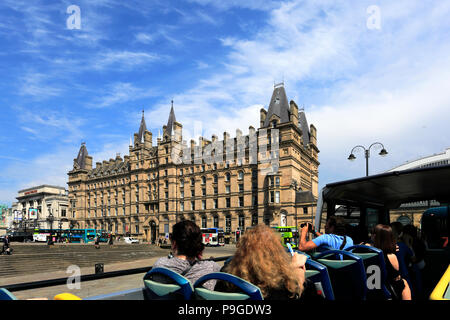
[(35, 262)]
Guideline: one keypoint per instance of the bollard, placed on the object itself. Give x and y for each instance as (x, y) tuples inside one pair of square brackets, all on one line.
[(99, 268)]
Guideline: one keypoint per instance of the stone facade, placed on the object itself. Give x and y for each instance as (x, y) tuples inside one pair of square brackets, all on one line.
[(51, 203), (148, 191)]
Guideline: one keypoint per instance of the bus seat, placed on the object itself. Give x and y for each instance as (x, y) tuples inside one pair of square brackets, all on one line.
[(373, 256), (6, 295), (305, 254), (66, 296), (165, 284), (248, 291), (318, 274), (319, 250), (347, 274), (132, 294)]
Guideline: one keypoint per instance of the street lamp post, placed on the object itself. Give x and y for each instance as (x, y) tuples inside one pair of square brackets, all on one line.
[(50, 219), (60, 230), (382, 153)]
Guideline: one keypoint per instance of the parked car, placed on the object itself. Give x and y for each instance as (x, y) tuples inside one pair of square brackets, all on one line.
[(130, 240)]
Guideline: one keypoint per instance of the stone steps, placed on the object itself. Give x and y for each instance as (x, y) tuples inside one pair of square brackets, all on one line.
[(31, 259)]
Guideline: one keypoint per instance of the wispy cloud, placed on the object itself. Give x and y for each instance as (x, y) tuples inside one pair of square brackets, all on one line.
[(122, 92), (37, 85), (124, 59)]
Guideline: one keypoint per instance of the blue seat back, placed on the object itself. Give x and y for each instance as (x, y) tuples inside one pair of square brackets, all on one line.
[(248, 291), (371, 256), (319, 250), (318, 274), (165, 284), (6, 295), (347, 274)]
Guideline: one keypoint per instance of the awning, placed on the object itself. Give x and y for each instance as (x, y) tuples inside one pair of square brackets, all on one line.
[(393, 188)]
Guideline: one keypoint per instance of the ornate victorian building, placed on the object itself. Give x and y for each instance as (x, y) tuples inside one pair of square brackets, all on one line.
[(147, 192)]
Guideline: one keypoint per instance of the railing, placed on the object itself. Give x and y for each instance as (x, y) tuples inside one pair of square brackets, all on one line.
[(88, 277)]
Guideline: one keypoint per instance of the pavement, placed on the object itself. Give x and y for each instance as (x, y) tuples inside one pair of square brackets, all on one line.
[(95, 287)]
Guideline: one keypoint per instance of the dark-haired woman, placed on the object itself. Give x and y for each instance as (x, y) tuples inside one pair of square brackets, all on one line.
[(383, 238), (187, 249)]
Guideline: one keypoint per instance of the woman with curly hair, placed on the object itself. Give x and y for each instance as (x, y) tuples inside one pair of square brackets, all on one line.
[(262, 260), (187, 249)]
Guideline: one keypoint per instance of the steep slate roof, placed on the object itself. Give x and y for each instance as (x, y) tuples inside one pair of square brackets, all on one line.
[(303, 124), (82, 154), (304, 197), (142, 128), (278, 106), (171, 122)]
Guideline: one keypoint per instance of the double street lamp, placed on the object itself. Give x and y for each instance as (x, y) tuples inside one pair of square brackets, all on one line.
[(382, 153)]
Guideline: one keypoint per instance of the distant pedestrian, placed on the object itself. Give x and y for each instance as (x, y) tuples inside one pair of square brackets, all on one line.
[(6, 245), (97, 242), (111, 240)]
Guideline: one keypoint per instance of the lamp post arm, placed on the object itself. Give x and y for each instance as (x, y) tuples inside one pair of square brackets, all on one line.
[(375, 143), (358, 146)]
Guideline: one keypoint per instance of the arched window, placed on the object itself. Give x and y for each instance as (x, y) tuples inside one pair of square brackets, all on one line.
[(203, 180), (215, 178), (227, 176), (192, 182), (241, 175)]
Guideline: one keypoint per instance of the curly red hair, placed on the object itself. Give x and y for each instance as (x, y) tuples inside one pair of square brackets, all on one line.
[(262, 260)]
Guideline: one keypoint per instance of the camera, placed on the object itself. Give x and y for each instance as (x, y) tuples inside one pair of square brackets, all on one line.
[(310, 227)]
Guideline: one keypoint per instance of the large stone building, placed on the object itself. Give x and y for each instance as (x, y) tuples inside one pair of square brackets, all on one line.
[(148, 191)]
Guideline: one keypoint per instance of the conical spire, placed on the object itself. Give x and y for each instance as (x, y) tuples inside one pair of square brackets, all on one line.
[(142, 128), (82, 154), (279, 105), (171, 121)]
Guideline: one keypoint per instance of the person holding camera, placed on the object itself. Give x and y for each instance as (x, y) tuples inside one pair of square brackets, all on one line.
[(334, 237)]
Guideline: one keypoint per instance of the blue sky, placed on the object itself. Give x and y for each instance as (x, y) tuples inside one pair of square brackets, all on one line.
[(218, 62)]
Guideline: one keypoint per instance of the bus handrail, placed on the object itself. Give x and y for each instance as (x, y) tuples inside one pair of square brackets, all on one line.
[(84, 278)]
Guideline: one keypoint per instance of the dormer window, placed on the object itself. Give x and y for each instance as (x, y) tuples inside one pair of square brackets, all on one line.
[(274, 123)]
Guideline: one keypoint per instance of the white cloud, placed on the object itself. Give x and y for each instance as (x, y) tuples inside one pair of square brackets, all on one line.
[(122, 92), (360, 85), (144, 37), (124, 59)]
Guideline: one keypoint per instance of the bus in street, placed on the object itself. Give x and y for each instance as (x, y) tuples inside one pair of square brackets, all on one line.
[(213, 237), (288, 235)]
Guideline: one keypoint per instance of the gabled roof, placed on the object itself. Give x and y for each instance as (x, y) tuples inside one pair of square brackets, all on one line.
[(82, 154), (278, 106)]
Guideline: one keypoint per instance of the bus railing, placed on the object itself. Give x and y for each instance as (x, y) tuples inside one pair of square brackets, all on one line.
[(84, 278), (441, 291)]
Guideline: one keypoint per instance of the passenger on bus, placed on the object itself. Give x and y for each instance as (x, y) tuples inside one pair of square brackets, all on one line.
[(187, 248), (335, 236), (262, 260), (383, 239), (403, 252), (417, 246)]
